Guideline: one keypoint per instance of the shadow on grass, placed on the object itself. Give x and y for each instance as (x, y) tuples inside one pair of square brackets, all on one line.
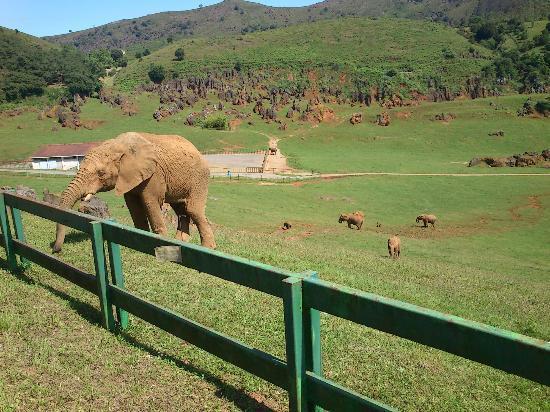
[(73, 237), (91, 314), (239, 398)]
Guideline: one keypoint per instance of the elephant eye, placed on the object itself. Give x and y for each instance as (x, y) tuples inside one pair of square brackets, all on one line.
[(101, 172)]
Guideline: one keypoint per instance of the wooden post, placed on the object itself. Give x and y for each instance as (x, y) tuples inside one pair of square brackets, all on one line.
[(6, 234), (311, 320), (101, 277), (117, 276), (19, 233), (292, 303)]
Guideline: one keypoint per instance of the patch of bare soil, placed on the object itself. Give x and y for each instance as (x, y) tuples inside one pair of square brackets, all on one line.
[(403, 115), (439, 231), (533, 202), (234, 124), (91, 124), (299, 231)]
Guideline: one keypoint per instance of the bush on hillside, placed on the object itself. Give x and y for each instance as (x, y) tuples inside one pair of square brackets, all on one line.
[(157, 73), (179, 54), (216, 123)]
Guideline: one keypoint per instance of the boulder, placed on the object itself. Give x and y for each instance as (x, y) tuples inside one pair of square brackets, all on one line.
[(95, 207), (21, 190), (51, 197), (356, 118), (383, 119)]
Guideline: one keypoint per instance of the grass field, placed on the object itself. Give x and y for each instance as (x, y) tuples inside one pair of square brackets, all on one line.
[(416, 144), (486, 260)]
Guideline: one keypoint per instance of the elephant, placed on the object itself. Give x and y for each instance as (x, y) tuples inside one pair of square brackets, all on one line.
[(427, 219), (355, 218), (147, 170), (394, 247)]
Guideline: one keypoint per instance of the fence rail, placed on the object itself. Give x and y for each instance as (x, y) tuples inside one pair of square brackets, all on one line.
[(304, 297)]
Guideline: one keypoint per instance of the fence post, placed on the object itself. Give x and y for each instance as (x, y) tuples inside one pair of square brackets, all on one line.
[(101, 277), (19, 233), (6, 235), (311, 320), (117, 276), (292, 303)]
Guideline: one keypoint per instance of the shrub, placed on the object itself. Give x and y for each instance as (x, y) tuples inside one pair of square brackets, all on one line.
[(543, 107), (157, 73), (179, 54), (217, 123)]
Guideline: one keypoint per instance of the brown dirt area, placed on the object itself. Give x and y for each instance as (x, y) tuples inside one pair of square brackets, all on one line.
[(533, 202)]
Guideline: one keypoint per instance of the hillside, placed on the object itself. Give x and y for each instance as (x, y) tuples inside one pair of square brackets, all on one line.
[(349, 53), (239, 16), (29, 64)]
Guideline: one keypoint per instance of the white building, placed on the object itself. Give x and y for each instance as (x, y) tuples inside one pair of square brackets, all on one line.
[(61, 156)]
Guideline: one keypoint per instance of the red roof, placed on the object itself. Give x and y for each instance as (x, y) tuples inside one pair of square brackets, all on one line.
[(65, 150)]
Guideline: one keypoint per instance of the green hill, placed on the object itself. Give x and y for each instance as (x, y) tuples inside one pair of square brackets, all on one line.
[(29, 64), (351, 53), (239, 16)]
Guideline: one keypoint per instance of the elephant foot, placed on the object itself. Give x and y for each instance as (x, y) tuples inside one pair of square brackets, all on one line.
[(209, 244), (184, 237)]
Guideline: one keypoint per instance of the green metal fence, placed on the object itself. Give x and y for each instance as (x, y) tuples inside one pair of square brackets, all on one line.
[(304, 297)]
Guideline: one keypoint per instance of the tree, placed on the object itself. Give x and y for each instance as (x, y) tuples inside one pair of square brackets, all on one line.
[(146, 52), (156, 73), (179, 54), (101, 59), (117, 54), (170, 39)]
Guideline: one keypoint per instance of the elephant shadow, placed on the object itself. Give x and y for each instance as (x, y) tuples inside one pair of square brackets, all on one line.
[(74, 237)]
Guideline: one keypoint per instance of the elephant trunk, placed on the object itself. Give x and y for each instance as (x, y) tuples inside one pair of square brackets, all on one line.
[(70, 196)]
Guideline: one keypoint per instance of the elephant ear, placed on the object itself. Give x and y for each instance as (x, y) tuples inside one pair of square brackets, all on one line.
[(138, 162)]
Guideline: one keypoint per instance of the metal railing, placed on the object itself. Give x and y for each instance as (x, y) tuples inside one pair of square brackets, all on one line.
[(304, 297)]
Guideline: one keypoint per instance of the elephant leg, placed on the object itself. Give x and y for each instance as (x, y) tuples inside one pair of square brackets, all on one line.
[(196, 211), (183, 231), (154, 214), (349, 225), (137, 211)]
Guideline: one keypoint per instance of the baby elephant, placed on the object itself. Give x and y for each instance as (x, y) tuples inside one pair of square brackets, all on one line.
[(427, 219), (355, 218), (394, 246)]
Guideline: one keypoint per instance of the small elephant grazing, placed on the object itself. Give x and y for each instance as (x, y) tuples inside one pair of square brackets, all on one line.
[(427, 219), (355, 218), (394, 247)]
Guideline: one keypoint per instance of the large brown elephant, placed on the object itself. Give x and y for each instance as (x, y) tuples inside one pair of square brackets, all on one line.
[(148, 170)]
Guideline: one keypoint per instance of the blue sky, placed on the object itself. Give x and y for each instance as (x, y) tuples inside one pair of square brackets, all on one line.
[(46, 17)]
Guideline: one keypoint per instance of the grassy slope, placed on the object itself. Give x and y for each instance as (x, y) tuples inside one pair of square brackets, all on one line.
[(231, 16), (23, 40), (478, 263), (415, 49), (416, 144), (21, 143)]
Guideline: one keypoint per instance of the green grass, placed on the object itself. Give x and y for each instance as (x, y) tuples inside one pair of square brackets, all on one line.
[(485, 260), (413, 145), (20, 143), (418, 144), (361, 48)]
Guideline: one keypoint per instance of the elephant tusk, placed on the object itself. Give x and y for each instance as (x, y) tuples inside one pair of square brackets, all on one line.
[(88, 197)]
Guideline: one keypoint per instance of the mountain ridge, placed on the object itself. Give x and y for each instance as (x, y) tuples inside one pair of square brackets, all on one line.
[(240, 16)]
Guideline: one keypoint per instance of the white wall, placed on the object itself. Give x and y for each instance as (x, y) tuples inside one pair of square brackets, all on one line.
[(65, 164)]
